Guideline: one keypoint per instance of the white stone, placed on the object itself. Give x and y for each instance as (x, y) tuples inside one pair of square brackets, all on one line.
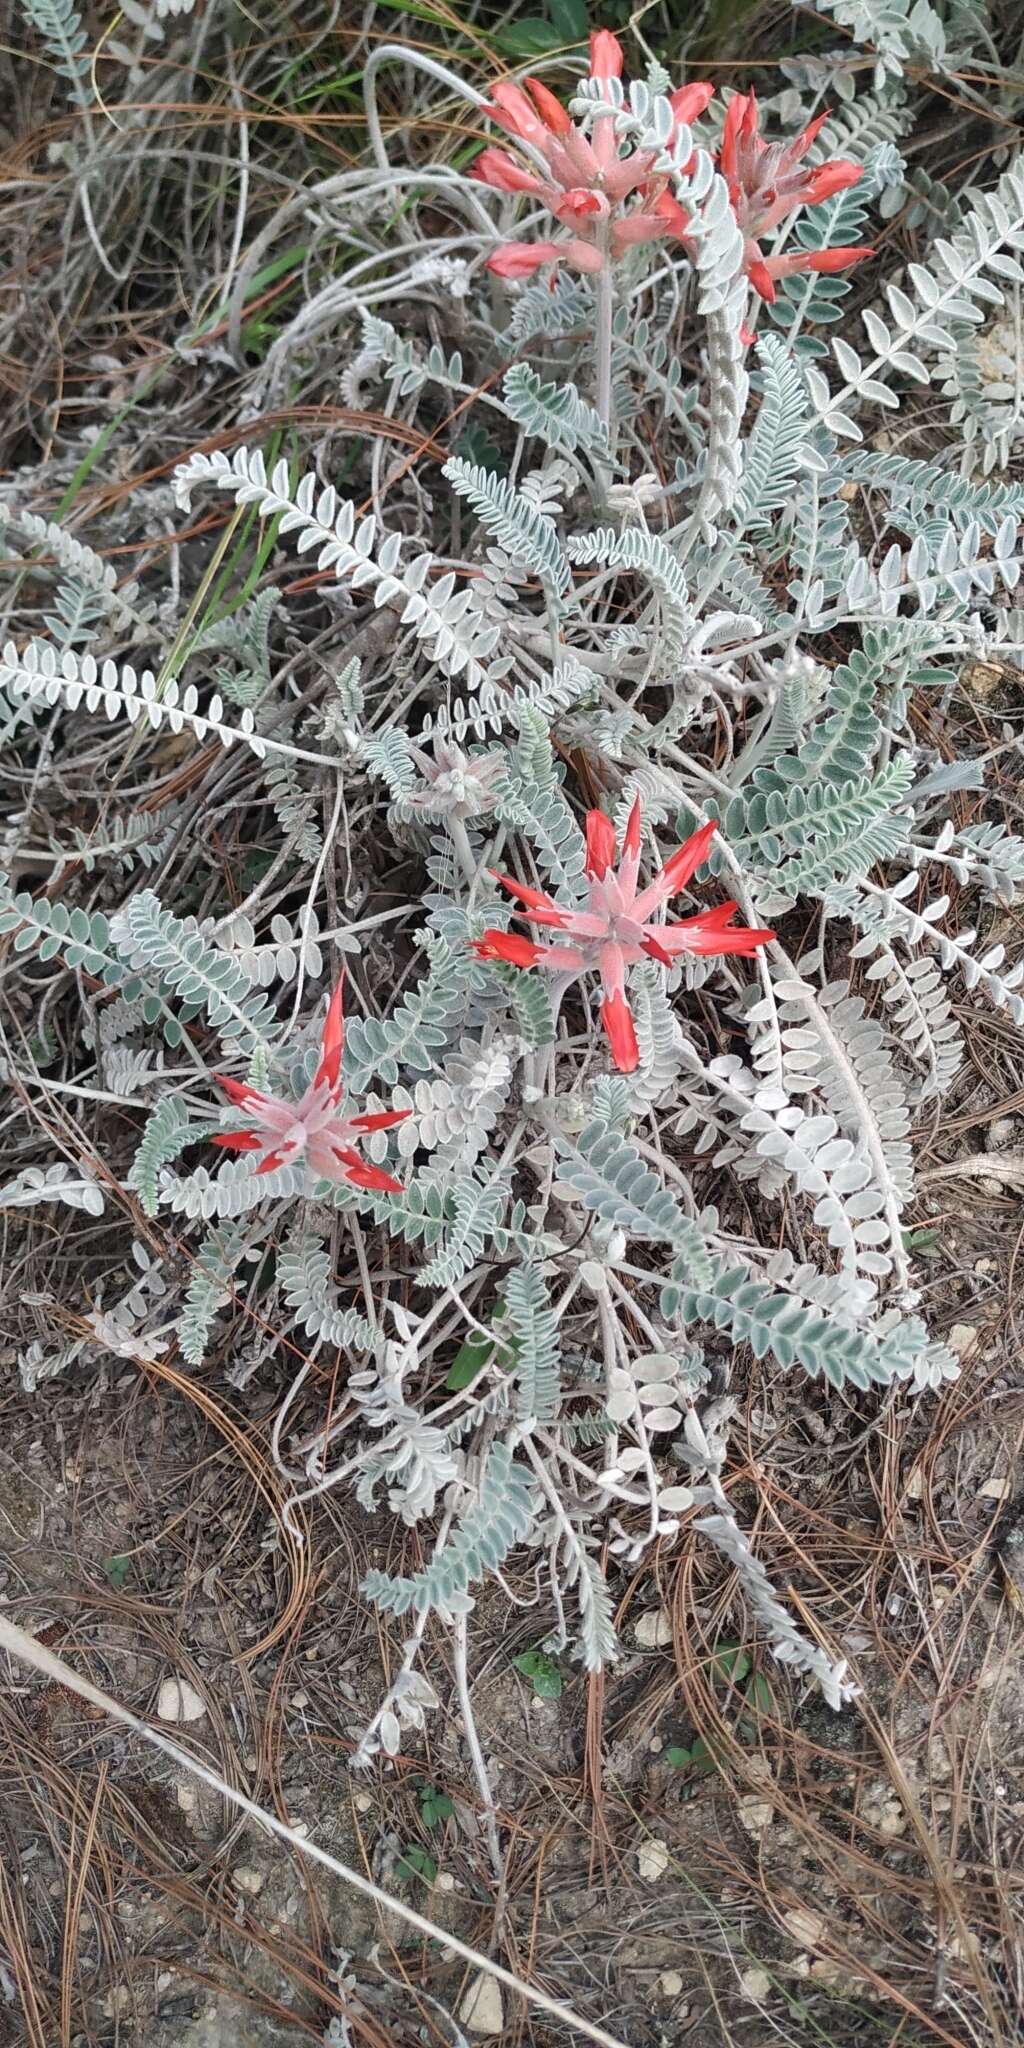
[(756, 1984), (362, 1802), (962, 1338), (890, 1819), (670, 1983), (755, 1814), (482, 2010), (653, 1629), (186, 1797), (247, 1879), (117, 2001), (652, 1860), (995, 1489), (179, 1701), (807, 1929)]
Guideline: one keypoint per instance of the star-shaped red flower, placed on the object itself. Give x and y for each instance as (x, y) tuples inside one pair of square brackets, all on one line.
[(615, 930), (311, 1128)]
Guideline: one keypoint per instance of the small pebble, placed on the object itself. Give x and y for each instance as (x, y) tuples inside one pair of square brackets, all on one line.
[(755, 1814), (652, 1860), (804, 1927), (179, 1701), (995, 1489), (962, 1338), (482, 2010), (248, 1880), (756, 1985), (653, 1630)]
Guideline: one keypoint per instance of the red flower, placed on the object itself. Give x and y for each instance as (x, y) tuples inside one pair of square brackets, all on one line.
[(605, 54), (311, 1128), (616, 929), (521, 259), (767, 182), (588, 182), (690, 100)]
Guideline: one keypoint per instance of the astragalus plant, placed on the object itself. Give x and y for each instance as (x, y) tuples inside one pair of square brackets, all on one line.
[(604, 774)]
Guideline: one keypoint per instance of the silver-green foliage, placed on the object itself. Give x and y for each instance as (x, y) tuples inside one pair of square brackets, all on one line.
[(500, 1517), (529, 537), (199, 976), (723, 594), (62, 30), (533, 1329)]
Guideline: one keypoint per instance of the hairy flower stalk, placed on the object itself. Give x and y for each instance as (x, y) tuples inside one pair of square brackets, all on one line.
[(457, 786), (616, 929), (284, 1132)]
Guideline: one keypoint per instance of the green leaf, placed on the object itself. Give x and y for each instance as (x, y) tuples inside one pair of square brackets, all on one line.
[(473, 1355), (414, 1862), (117, 1570), (469, 1360), (760, 1695), (569, 17), (477, 445), (731, 1661), (697, 1758), (435, 1806), (543, 1671), (529, 38)]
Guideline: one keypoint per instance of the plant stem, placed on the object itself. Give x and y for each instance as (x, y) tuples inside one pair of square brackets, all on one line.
[(460, 1658), (462, 849), (604, 295)]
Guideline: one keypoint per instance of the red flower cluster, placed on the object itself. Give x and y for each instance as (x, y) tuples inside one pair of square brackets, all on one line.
[(615, 930), (311, 1128), (767, 181), (589, 182)]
